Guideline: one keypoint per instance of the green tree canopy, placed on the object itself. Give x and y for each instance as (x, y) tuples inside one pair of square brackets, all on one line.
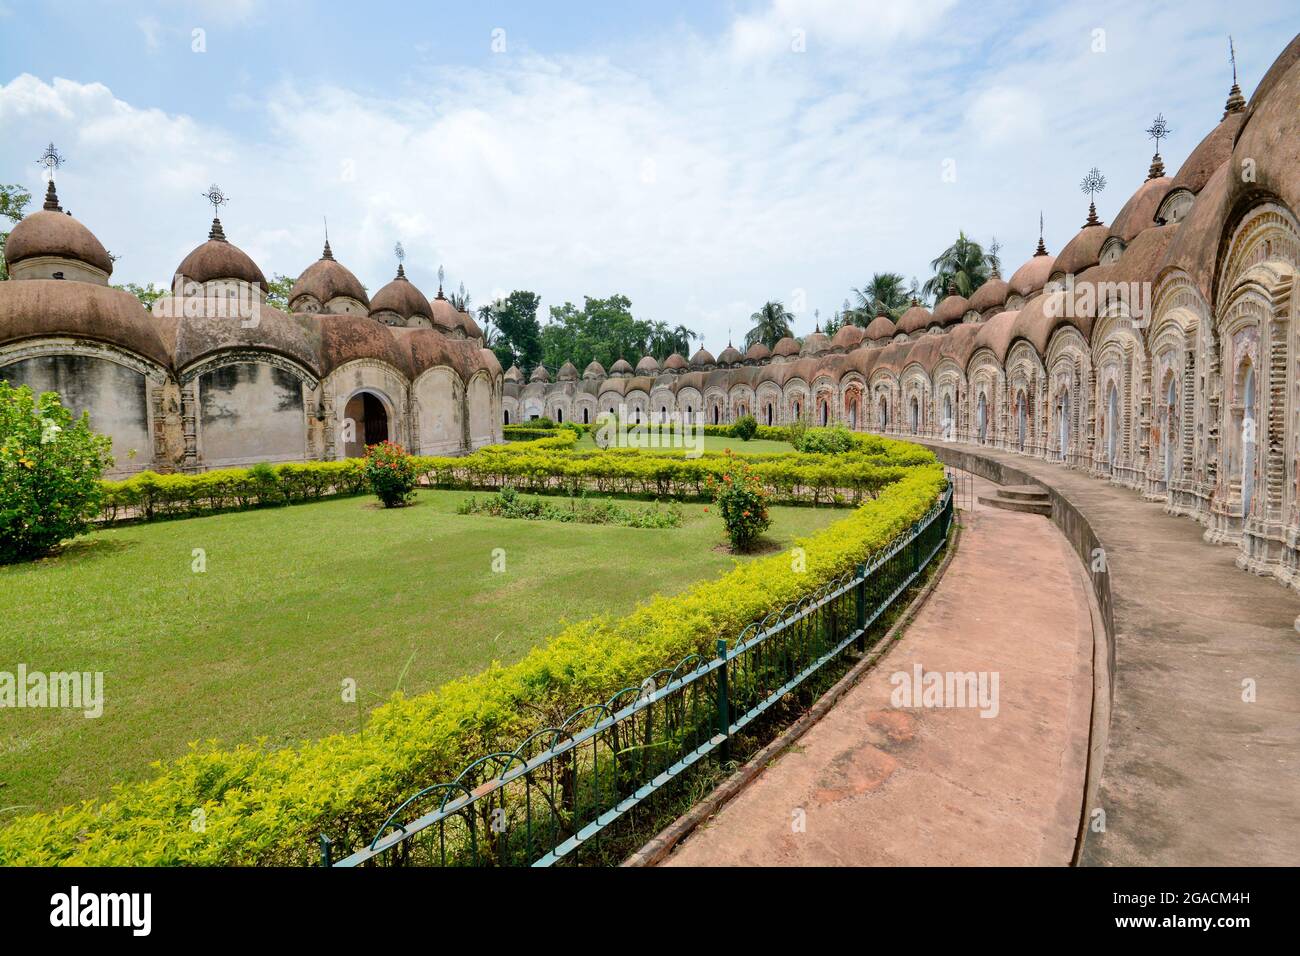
[(13, 203), (511, 327), (605, 330), (771, 324), (965, 266), (886, 294)]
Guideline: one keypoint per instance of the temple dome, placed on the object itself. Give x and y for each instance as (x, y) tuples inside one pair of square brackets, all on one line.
[(815, 344), (703, 357), (674, 363), (881, 328), (1081, 252), (992, 294), (471, 328), (951, 309), (444, 315), (848, 337), (915, 319), (52, 232), (539, 374), (514, 375), (327, 279), (594, 370), (1032, 276), (402, 298), (730, 356), (758, 352), (220, 259), (568, 372), (647, 365), (786, 347), (621, 367)]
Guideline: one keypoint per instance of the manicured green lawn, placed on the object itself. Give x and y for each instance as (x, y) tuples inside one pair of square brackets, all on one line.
[(293, 602), (755, 446)]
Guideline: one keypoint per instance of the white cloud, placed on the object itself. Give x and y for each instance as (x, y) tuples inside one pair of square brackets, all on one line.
[(695, 180)]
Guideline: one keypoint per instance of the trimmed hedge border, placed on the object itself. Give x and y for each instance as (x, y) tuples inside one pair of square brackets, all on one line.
[(266, 806)]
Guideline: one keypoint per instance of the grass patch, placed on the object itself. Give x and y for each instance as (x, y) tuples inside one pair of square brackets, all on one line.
[(294, 601)]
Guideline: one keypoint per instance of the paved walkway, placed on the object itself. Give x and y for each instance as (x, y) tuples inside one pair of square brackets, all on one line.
[(1193, 773), (872, 784)]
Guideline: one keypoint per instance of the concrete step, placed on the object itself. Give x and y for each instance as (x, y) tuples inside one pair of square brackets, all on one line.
[(1024, 492), (1028, 506)]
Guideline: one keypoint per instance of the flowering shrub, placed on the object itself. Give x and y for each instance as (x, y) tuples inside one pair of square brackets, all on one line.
[(50, 466), (742, 502), (391, 473)]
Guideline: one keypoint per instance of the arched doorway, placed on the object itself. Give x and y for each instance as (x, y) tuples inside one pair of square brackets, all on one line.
[(365, 422), (949, 425), (507, 414), (884, 413), (982, 418), (825, 413), (1112, 424), (915, 411), (1022, 421), (717, 414), (1248, 436), (559, 416), (1167, 416), (586, 415), (1063, 426)]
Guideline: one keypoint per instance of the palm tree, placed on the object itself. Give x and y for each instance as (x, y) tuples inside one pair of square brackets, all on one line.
[(964, 265), (885, 294), (771, 325)]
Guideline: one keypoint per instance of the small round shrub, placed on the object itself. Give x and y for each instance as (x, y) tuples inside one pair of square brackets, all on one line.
[(50, 469), (741, 500), (744, 428), (391, 473), (825, 441)]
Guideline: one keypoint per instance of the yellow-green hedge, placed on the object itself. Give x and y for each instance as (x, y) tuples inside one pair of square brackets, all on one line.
[(265, 806)]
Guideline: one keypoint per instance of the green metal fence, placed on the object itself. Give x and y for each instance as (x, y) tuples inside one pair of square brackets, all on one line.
[(560, 791)]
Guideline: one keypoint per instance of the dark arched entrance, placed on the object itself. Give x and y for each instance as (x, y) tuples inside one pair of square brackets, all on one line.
[(368, 418)]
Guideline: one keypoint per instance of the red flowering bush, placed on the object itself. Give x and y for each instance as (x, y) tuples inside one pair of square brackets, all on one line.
[(742, 502), (391, 473)]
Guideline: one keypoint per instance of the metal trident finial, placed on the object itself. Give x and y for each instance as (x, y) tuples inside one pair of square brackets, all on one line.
[(51, 159), (1159, 130), (216, 197), (1232, 58), (1093, 183), (399, 252)]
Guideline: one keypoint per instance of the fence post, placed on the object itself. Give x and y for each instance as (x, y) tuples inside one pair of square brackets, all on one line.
[(326, 851), (861, 591), (724, 712)]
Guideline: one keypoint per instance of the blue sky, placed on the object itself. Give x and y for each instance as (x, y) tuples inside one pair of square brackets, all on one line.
[(700, 158)]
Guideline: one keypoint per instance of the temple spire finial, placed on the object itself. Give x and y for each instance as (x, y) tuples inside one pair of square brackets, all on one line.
[(51, 159), (401, 258), (328, 253), (1042, 247), (1158, 130), (217, 199), (1236, 102), (1092, 184), (441, 276)]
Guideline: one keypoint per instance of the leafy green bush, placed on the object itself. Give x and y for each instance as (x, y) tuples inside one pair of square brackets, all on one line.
[(744, 428), (741, 500), (825, 441), (50, 469), (508, 503), (391, 473), (268, 806)]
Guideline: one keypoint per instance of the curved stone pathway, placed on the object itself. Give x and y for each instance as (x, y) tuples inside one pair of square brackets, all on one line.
[(878, 784)]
